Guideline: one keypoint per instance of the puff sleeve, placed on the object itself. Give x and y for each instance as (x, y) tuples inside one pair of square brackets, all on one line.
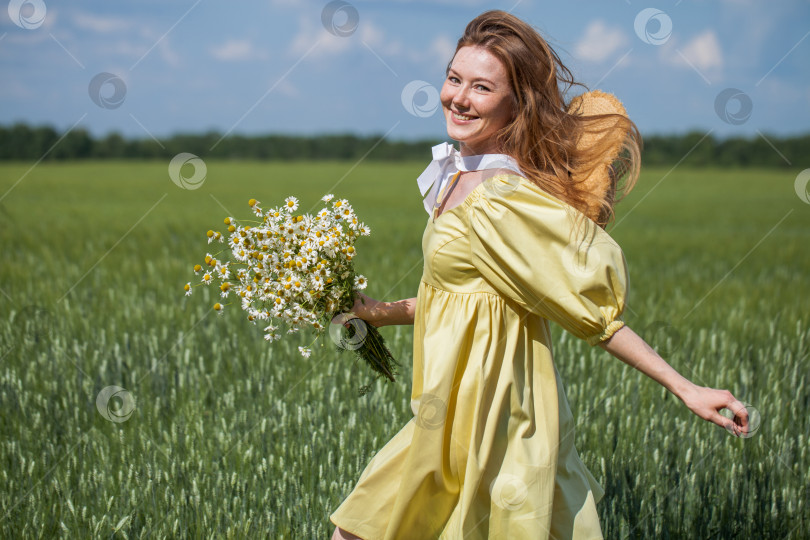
[(531, 248)]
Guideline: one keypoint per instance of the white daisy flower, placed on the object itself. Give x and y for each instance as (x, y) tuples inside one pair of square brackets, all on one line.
[(327, 198), (291, 204), (273, 215), (360, 282), (317, 283)]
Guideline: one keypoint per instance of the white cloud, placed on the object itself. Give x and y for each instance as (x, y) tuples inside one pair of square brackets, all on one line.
[(600, 42), (320, 43), (103, 25), (168, 54), (703, 52), (41, 35), (311, 35), (124, 48), (776, 90), (286, 88), (442, 49), (371, 34), (15, 89), (235, 50), (375, 39)]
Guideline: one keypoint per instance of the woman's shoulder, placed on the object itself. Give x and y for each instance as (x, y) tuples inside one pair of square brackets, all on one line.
[(508, 192), (509, 205), (505, 187)]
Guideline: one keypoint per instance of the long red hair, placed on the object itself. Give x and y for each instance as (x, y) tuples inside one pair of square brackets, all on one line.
[(543, 136)]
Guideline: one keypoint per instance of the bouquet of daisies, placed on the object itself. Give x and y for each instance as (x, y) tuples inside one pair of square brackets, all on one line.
[(296, 270)]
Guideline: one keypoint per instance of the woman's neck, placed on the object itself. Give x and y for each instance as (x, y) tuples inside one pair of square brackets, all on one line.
[(467, 150)]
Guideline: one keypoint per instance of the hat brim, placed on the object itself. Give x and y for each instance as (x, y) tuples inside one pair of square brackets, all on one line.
[(607, 133)]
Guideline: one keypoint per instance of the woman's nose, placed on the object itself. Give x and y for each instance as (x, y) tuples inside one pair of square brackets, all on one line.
[(461, 97)]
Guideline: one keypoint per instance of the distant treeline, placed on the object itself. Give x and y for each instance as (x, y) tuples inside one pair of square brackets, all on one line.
[(23, 142)]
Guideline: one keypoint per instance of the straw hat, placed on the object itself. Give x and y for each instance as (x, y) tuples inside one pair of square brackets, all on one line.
[(593, 103)]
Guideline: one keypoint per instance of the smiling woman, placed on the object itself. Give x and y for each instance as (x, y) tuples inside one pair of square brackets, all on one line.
[(477, 100), (516, 241)]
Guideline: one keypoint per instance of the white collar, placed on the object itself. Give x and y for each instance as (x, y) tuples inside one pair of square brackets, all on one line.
[(447, 161)]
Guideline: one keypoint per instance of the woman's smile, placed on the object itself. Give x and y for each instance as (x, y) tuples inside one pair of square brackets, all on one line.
[(460, 118), (477, 100)]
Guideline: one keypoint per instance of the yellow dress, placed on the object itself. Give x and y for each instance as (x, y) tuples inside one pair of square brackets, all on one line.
[(490, 450)]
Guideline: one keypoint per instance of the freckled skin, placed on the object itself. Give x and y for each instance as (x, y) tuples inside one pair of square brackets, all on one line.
[(477, 87)]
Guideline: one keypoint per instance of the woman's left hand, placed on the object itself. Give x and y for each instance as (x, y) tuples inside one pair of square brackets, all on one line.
[(707, 403)]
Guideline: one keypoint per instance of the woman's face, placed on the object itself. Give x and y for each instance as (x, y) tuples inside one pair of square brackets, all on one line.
[(477, 100)]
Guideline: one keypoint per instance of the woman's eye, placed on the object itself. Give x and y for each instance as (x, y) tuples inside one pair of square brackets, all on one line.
[(481, 87), (452, 79)]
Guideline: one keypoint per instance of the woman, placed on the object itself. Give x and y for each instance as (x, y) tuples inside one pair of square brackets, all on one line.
[(513, 241)]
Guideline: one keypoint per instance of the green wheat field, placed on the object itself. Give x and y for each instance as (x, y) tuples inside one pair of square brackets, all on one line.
[(230, 437)]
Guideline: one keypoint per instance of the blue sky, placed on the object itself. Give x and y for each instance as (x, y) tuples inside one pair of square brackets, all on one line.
[(272, 66)]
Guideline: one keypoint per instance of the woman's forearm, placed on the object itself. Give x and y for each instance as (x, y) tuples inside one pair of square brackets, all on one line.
[(628, 347), (705, 402), (399, 312), (380, 313)]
